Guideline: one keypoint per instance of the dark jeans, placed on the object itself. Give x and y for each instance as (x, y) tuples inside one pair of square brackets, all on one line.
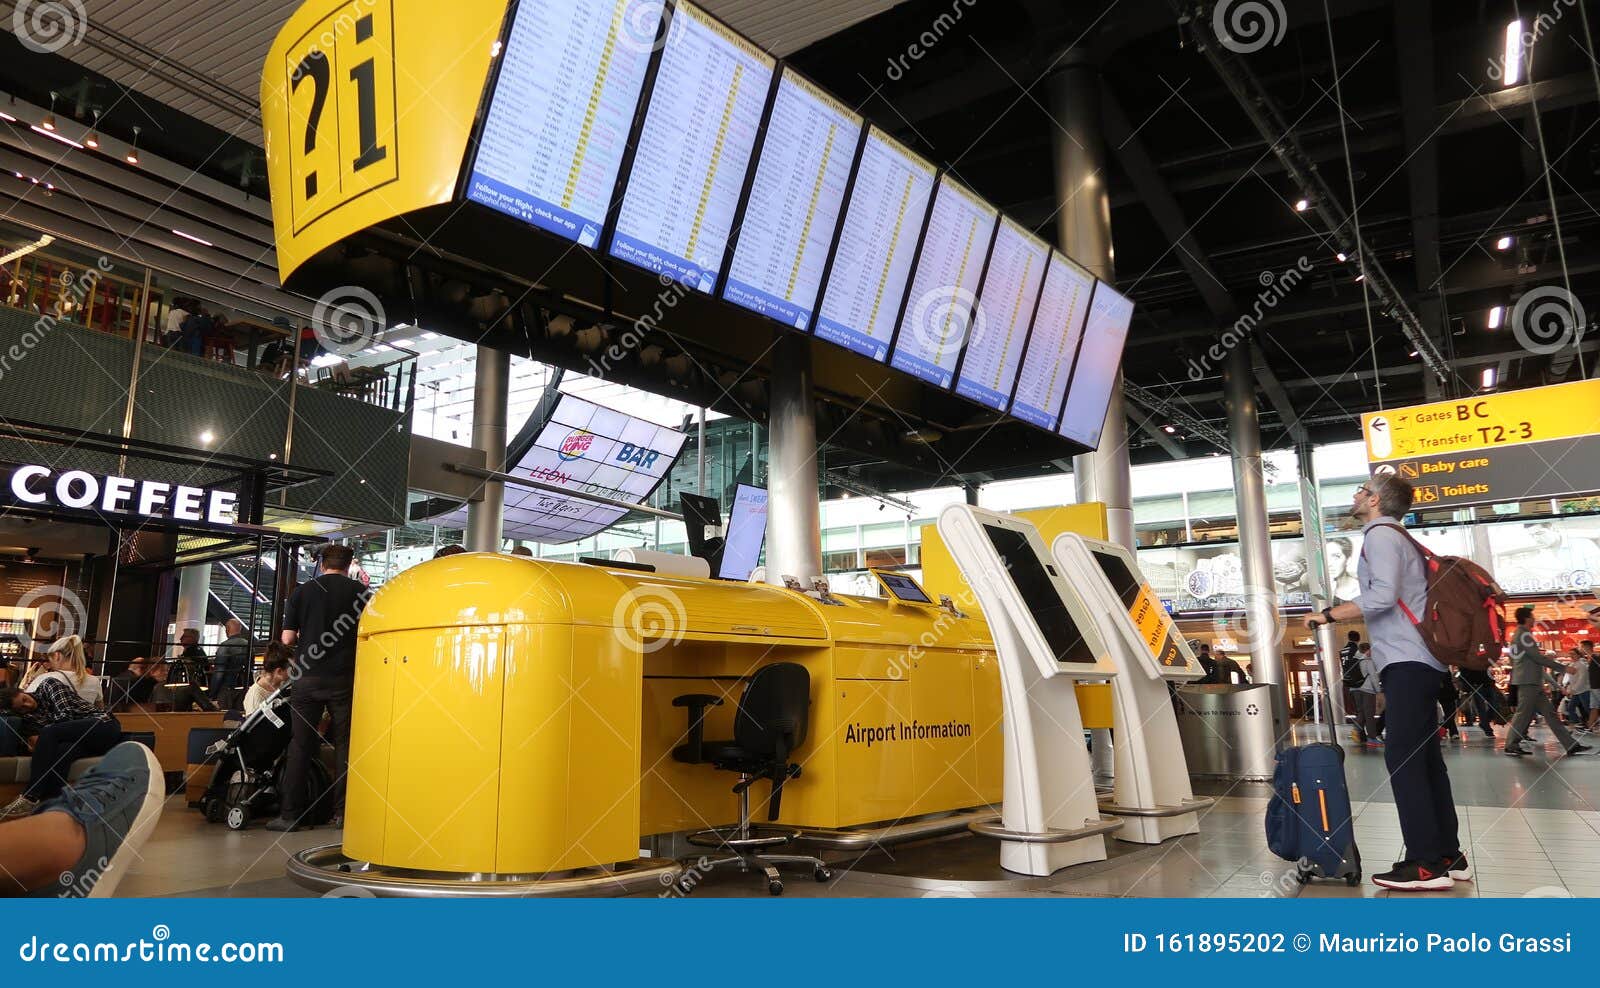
[(59, 745), (1450, 702), (1417, 772), (1486, 701), (307, 701), (11, 737)]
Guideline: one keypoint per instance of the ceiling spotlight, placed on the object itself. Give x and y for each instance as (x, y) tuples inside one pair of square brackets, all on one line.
[(207, 438), (1342, 257), (1504, 243), (1302, 205), (92, 139), (1512, 72), (49, 121), (1497, 315), (1169, 430), (1490, 376), (1361, 277), (132, 156)]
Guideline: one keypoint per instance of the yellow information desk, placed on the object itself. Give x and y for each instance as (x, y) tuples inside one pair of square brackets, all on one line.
[(514, 716)]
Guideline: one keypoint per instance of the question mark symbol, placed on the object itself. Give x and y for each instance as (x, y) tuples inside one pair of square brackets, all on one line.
[(315, 66)]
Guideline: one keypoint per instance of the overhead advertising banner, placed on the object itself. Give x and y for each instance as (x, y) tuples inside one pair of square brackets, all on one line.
[(1211, 577), (1537, 443), (586, 449), (1546, 555)]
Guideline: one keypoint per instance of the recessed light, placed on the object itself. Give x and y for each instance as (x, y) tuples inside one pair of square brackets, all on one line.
[(1497, 315)]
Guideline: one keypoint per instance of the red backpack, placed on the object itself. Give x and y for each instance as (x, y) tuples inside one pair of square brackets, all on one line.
[(1463, 625)]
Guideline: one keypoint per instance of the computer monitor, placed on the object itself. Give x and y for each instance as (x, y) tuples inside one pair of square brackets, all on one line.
[(747, 533), (902, 587), (699, 514)]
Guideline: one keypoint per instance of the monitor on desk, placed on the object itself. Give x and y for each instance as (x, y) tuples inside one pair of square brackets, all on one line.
[(902, 587), (747, 533)]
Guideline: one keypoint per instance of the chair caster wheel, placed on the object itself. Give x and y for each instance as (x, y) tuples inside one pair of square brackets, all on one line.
[(685, 886), (775, 888), (822, 874)]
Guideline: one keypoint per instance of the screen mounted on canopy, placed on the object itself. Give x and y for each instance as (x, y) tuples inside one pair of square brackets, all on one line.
[(587, 448)]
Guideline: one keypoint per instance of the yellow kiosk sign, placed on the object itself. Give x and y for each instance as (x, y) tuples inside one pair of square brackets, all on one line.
[(1541, 442), (367, 108)]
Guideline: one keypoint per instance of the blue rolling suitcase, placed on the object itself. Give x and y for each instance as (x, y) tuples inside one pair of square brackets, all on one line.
[(1309, 819)]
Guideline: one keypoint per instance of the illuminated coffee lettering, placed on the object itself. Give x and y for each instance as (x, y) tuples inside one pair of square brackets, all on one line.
[(19, 484), (115, 493), (88, 493), (223, 508), (152, 496), (186, 503)]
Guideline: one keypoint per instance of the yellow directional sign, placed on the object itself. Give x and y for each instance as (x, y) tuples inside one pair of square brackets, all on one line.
[(1486, 422), (367, 108)]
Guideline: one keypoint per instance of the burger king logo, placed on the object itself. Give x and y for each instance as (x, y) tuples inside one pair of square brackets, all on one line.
[(575, 445)]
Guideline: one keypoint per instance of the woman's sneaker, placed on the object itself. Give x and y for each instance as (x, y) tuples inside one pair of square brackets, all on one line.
[(20, 807), (117, 804), (1410, 876)]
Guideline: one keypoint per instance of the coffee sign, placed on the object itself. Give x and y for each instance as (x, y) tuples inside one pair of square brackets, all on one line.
[(80, 490)]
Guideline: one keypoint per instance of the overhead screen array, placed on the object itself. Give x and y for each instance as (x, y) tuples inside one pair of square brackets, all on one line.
[(656, 134)]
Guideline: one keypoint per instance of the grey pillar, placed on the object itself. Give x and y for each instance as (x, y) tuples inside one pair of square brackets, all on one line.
[(194, 592), (1255, 546), (794, 517), (486, 517), (1321, 586), (1084, 225)]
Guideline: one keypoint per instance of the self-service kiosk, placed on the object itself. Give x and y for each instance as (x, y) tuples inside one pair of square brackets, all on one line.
[(1047, 640), (1152, 793)]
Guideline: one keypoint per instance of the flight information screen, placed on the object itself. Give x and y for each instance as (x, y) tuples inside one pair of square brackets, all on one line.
[(1005, 310), (876, 248), (794, 205), (694, 150), (944, 291), (1104, 334), (561, 111), (1057, 328)]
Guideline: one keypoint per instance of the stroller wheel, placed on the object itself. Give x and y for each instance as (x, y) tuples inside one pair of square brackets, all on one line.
[(238, 817), (213, 809)]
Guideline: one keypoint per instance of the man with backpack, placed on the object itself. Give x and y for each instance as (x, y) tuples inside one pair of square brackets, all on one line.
[(1393, 579), (1528, 665)]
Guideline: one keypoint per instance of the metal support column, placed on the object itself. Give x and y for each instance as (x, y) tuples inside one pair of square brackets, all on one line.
[(1262, 621), (1321, 586), (794, 517), (1084, 223), (486, 517), (194, 592)]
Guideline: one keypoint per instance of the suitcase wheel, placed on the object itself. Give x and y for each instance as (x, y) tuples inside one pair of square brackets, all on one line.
[(1353, 880)]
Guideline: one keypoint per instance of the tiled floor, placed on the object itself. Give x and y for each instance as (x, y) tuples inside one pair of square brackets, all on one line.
[(1532, 827)]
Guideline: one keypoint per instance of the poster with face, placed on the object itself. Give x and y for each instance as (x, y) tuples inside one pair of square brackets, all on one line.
[(1553, 555), (1211, 577)]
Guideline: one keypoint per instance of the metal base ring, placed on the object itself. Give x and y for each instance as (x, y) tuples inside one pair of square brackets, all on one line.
[(327, 870), (759, 837)]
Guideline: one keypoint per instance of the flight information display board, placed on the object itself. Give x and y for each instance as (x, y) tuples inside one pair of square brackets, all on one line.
[(944, 291), (1006, 304), (560, 113), (795, 201), (1104, 334), (877, 246), (1057, 328), (694, 150)]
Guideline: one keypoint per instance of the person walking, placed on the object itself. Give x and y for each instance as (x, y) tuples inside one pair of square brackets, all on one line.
[(1365, 692), (1528, 666), (1483, 699), (1394, 585), (320, 624)]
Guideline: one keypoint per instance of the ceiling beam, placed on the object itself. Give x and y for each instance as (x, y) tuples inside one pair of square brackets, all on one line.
[(1413, 22)]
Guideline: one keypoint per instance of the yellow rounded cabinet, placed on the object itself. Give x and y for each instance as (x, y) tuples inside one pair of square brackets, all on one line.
[(514, 716)]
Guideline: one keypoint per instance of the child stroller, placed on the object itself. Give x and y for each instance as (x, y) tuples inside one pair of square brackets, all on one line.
[(250, 763)]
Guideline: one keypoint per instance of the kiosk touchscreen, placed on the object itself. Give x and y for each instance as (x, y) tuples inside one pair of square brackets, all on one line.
[(1048, 640), (747, 533), (901, 587), (1152, 792)]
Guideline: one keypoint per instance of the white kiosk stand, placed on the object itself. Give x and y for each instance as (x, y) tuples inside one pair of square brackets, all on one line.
[(1152, 793), (1047, 641)]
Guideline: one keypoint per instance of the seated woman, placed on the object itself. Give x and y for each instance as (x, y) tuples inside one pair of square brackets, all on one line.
[(274, 673), (68, 729), (65, 662)]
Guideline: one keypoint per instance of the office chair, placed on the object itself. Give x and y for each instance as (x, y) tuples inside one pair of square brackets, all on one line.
[(769, 725)]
